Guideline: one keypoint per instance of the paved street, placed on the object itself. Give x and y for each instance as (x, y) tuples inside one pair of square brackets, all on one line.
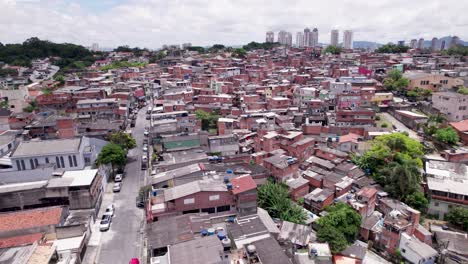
[(400, 126), (124, 239)]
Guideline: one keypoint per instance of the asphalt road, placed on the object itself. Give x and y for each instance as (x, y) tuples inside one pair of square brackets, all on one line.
[(124, 239), (401, 127)]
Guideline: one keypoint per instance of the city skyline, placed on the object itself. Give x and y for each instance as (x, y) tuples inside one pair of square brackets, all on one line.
[(154, 23)]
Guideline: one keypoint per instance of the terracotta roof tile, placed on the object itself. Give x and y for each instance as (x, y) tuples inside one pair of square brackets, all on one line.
[(243, 184), (461, 126), (20, 240), (30, 218)]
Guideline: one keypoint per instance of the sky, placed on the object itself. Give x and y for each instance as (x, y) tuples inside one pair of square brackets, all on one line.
[(152, 23)]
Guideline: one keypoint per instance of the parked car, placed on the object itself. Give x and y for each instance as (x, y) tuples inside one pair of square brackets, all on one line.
[(146, 133), (105, 223), (118, 178), (145, 148), (117, 187), (110, 210), (215, 159)]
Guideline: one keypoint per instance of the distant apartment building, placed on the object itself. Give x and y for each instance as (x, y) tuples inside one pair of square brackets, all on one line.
[(307, 37), (453, 105), (300, 39), (420, 43), (348, 39), (270, 37), (285, 38), (314, 38), (334, 37), (413, 43), (434, 44)]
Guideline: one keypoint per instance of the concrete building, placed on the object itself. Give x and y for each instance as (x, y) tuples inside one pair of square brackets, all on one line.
[(300, 39), (285, 38), (334, 37), (453, 105), (314, 39), (434, 44), (454, 42), (420, 43), (413, 43), (270, 37), (348, 39), (447, 184), (307, 37), (442, 45), (415, 251), (433, 82), (66, 154)]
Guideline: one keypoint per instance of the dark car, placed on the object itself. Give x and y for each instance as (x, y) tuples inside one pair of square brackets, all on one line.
[(140, 203)]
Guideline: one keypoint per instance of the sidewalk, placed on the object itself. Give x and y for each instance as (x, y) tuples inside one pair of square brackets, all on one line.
[(93, 247)]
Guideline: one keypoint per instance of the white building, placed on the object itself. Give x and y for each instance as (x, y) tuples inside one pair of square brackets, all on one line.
[(415, 251), (334, 37), (66, 154), (314, 38), (300, 39), (307, 37), (348, 39), (270, 37)]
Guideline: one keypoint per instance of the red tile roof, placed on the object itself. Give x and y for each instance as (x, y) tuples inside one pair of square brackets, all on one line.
[(30, 218), (461, 126), (20, 240), (242, 184)]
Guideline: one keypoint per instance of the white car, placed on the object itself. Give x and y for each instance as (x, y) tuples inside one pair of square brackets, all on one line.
[(146, 133), (144, 158), (118, 178), (145, 148), (110, 210), (104, 225), (117, 187)]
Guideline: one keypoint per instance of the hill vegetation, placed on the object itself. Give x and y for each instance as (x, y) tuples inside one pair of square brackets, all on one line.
[(67, 56)]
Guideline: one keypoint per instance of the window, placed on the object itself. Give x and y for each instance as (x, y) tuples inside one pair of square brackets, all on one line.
[(57, 161), (62, 163), (189, 201), (74, 161), (23, 165), (47, 160), (18, 165), (436, 203), (403, 250), (36, 162), (70, 161), (214, 197), (31, 163)]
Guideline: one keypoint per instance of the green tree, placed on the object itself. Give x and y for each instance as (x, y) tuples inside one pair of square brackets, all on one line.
[(463, 90), (239, 53), (332, 49), (208, 120), (197, 49), (392, 48), (335, 239), (112, 154), (122, 139), (341, 219), (31, 107), (274, 197), (395, 81), (265, 45), (400, 178), (458, 216), (447, 135), (417, 200), (59, 78)]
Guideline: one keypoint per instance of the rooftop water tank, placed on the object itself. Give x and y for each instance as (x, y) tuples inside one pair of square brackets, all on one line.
[(226, 179), (229, 171), (221, 235), (211, 231), (204, 232), (229, 186), (226, 243), (251, 249)]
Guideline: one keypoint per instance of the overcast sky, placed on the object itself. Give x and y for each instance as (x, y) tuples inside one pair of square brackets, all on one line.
[(152, 23)]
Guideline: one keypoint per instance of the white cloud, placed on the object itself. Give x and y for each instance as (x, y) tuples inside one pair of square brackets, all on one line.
[(151, 23)]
